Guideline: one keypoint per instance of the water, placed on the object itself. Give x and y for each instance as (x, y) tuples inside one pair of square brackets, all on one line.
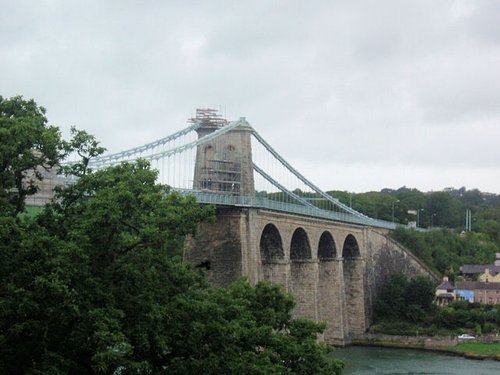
[(371, 360)]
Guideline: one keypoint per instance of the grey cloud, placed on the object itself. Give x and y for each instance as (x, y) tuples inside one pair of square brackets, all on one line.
[(351, 86)]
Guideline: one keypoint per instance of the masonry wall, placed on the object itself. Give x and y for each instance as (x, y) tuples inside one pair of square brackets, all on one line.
[(216, 248), (331, 300), (303, 286), (353, 269)]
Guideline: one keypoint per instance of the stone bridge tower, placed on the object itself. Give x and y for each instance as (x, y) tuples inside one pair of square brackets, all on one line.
[(223, 165)]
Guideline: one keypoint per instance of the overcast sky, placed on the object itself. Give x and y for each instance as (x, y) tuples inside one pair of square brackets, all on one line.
[(358, 96)]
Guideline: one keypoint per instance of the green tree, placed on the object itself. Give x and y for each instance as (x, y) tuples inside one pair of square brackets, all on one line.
[(27, 147), (404, 299), (391, 300), (445, 249)]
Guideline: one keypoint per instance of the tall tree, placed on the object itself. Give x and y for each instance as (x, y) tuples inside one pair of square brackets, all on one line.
[(27, 146)]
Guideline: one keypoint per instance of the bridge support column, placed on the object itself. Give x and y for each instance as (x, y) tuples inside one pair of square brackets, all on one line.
[(217, 247), (353, 271), (331, 301), (304, 287), (277, 271)]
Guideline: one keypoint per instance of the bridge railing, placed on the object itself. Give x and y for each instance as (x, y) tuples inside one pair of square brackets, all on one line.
[(265, 203)]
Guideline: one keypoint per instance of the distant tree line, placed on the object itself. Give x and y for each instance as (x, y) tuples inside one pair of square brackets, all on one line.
[(436, 209)]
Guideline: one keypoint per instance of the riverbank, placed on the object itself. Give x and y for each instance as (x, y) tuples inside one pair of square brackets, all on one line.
[(485, 347)]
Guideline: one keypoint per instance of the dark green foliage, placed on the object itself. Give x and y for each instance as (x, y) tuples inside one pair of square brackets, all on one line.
[(445, 209), (391, 301), (420, 292), (446, 251), (404, 299), (472, 316), (89, 282), (27, 146)]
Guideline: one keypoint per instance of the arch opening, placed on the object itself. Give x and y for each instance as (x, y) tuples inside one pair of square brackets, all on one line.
[(326, 247), (351, 247), (271, 245), (300, 247)]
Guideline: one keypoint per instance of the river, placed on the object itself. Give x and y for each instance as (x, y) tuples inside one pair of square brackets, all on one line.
[(374, 361)]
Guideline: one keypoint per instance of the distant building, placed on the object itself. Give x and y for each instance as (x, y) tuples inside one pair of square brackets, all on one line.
[(485, 290), (482, 292), (463, 291), (489, 276), (445, 292), (479, 271)]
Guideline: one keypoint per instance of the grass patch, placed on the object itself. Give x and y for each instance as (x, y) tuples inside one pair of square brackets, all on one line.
[(492, 349)]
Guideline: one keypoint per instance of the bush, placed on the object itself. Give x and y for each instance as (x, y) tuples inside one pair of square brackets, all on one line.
[(404, 299), (489, 328)]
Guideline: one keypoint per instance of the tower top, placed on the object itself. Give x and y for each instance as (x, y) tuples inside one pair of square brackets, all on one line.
[(208, 118)]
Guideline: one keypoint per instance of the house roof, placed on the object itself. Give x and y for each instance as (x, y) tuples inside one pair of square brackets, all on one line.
[(446, 295), (445, 285), (479, 268), (476, 285)]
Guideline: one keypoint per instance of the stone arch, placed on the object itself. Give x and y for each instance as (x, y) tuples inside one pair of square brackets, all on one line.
[(351, 247), (299, 246), (271, 245), (326, 247)]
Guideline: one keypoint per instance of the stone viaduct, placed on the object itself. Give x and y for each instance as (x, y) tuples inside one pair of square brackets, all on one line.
[(334, 269)]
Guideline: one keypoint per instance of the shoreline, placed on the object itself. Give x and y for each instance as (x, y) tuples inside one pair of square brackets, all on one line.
[(438, 344)]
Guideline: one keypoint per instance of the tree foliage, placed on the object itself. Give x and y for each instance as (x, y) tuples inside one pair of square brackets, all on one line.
[(446, 251), (27, 146), (445, 209), (402, 298)]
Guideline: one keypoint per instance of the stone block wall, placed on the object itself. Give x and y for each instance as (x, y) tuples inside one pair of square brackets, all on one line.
[(331, 301), (278, 272), (303, 286), (216, 248), (353, 270)]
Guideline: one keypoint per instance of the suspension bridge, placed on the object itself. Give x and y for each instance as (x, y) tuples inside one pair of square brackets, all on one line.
[(217, 179), (273, 224)]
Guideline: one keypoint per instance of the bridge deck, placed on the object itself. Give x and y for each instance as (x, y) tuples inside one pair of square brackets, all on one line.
[(261, 202)]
